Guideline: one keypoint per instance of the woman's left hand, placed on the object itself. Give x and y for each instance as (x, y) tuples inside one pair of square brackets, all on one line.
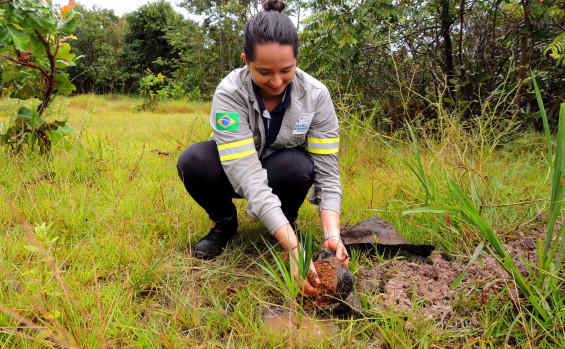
[(339, 248)]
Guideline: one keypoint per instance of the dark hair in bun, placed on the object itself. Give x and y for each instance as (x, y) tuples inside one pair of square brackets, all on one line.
[(273, 5), (269, 26)]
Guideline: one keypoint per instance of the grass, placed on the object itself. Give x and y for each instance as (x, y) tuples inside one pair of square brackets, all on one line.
[(120, 273)]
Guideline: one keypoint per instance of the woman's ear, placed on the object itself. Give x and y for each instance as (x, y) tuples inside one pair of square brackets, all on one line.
[(244, 58)]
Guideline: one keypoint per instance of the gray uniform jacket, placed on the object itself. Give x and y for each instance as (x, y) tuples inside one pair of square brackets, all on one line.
[(310, 122)]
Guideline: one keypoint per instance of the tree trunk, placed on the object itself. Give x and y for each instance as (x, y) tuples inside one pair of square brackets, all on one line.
[(445, 32), (221, 52), (523, 54), (461, 21), (230, 65), (200, 57)]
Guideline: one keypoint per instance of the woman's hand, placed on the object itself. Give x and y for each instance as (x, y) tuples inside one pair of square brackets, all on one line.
[(340, 252), (330, 224), (286, 236)]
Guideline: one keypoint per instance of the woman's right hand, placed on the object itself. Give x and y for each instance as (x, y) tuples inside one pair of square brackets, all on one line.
[(305, 287), (286, 236)]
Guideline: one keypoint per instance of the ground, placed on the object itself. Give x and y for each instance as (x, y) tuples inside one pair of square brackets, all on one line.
[(120, 272)]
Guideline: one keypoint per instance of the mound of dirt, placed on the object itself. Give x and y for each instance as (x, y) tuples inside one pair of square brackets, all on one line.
[(399, 284)]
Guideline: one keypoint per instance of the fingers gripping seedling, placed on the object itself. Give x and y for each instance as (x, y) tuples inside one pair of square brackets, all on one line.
[(292, 279)]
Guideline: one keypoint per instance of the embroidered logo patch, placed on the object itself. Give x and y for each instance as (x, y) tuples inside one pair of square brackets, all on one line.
[(227, 121), (303, 123)]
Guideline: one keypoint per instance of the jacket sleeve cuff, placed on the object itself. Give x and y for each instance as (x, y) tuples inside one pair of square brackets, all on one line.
[(274, 220), (331, 201)]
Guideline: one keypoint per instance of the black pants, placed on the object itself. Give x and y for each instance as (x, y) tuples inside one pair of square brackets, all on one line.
[(289, 172)]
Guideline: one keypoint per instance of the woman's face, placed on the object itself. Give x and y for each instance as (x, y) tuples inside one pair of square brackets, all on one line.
[(273, 68)]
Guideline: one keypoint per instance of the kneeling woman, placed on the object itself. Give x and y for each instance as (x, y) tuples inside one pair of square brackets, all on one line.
[(275, 135)]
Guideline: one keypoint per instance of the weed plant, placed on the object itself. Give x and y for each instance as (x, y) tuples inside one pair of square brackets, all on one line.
[(113, 266)]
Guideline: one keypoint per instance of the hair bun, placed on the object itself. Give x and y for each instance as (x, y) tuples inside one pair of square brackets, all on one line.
[(273, 5)]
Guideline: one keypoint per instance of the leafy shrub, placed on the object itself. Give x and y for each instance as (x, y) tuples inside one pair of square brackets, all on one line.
[(34, 45)]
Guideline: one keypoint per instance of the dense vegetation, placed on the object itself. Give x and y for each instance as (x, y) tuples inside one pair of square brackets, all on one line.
[(387, 59)]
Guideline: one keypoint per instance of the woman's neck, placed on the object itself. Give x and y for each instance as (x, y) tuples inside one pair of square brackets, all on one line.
[(271, 102)]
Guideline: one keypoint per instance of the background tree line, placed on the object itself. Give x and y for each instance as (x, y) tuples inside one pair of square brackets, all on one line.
[(387, 59)]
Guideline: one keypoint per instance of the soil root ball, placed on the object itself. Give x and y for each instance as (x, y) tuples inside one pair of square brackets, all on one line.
[(336, 282)]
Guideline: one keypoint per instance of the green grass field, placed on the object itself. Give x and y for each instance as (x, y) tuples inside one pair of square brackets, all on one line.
[(120, 272)]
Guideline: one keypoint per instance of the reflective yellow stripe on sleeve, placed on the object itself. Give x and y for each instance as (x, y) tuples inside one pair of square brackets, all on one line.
[(236, 150), (323, 145)]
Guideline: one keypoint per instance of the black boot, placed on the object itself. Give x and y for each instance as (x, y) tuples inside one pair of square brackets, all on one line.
[(214, 243)]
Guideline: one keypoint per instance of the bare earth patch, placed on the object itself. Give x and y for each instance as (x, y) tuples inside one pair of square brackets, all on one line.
[(400, 283)]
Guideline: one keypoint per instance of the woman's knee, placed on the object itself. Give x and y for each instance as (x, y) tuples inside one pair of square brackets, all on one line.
[(290, 165), (198, 160)]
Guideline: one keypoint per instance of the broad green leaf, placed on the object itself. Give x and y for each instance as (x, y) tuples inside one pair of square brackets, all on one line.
[(63, 85), (25, 92), (56, 136), (13, 74), (9, 73), (64, 53), (28, 115), (64, 131), (69, 24), (61, 123), (5, 35), (19, 37), (44, 23)]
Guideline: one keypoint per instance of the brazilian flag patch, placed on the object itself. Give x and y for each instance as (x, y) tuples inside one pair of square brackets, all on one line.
[(227, 121)]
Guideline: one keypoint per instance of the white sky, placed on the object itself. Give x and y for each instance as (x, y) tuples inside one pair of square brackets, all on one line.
[(120, 7)]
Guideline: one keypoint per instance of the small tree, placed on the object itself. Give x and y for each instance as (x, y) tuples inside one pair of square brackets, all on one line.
[(34, 48)]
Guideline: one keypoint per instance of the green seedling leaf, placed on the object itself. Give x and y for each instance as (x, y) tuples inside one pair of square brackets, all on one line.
[(474, 257), (53, 315)]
